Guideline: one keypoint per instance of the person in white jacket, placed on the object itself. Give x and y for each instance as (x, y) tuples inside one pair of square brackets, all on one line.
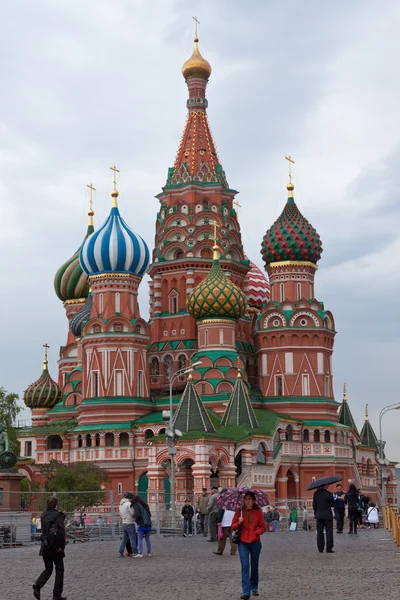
[(128, 523), (372, 516)]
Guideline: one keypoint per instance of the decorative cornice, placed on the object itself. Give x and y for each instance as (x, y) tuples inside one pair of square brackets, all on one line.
[(292, 263), (217, 320), (114, 276), (75, 301)]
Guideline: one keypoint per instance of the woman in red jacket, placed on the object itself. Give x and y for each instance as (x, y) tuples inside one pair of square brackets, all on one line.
[(251, 522)]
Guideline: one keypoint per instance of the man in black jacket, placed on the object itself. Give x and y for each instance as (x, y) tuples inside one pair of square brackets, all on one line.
[(52, 549), (340, 507), (323, 503)]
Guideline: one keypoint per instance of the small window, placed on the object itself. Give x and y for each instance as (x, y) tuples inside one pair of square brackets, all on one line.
[(289, 433), (149, 433), (174, 305), (119, 489), (279, 386), (140, 384), (327, 386), (206, 205), (179, 255), (117, 302), (327, 437), (97, 440), (221, 337), (97, 329), (74, 400), (28, 448), (317, 436), (101, 303), (155, 366), (118, 327), (306, 435), (88, 441), (124, 439), (203, 389), (80, 441), (298, 291), (119, 383), (206, 337), (109, 440), (282, 291), (306, 384), (95, 384), (1, 496)]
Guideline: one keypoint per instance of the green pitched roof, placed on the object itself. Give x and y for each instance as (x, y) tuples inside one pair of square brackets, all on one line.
[(191, 414), (239, 410), (345, 416), (59, 426), (367, 436)]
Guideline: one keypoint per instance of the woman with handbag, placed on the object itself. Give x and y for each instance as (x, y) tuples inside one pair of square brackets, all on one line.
[(248, 525)]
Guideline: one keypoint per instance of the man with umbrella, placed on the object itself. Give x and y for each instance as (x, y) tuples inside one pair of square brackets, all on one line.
[(323, 503)]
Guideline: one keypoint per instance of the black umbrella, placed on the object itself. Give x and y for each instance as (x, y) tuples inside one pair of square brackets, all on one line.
[(324, 481)]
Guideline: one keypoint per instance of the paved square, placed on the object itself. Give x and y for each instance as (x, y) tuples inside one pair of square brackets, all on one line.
[(364, 566)]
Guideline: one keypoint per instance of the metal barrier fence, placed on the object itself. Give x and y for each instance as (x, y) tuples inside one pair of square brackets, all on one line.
[(392, 522)]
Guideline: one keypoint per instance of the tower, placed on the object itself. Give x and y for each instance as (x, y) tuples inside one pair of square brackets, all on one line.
[(43, 394)]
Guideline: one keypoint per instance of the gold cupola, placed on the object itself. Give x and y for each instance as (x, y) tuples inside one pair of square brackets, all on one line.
[(196, 65)]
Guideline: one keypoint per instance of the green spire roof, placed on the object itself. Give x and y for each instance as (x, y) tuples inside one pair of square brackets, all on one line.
[(345, 416), (191, 414), (239, 410), (367, 435), (70, 282)]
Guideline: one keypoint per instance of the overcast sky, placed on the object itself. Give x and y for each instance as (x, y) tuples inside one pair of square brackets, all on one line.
[(86, 85)]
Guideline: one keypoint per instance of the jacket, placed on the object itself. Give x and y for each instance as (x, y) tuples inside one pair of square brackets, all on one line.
[(212, 505), (202, 502), (323, 503), (142, 517), (275, 515), (340, 500), (373, 515), (253, 525), (352, 501), (49, 516), (127, 515), (188, 512)]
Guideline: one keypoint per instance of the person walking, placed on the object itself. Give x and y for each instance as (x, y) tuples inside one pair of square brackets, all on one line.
[(142, 515), (202, 502), (323, 503), (128, 524), (212, 508), (340, 507), (187, 514), (293, 518), (373, 516), (353, 508), (250, 522), (52, 549), (268, 518), (305, 517), (275, 518), (225, 518)]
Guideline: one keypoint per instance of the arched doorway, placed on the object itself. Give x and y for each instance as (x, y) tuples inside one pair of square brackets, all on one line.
[(291, 485), (238, 464), (167, 492), (187, 475), (143, 486)]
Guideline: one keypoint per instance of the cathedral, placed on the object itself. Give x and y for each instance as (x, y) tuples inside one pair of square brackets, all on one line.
[(257, 408)]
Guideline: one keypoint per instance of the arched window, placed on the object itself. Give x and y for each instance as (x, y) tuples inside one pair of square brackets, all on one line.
[(124, 439), (155, 366), (80, 441), (206, 205), (97, 440), (101, 303), (117, 302), (289, 433), (178, 254), (206, 337), (88, 440), (279, 386), (54, 442), (109, 440), (149, 433), (182, 361), (203, 389), (327, 437), (174, 305), (336, 437), (306, 435), (317, 436), (162, 431), (261, 455), (167, 368), (341, 437)]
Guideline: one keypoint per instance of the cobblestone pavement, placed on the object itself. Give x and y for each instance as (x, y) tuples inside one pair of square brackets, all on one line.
[(364, 566)]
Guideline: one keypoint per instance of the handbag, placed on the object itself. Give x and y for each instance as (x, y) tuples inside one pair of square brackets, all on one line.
[(236, 536), (220, 532), (293, 526)]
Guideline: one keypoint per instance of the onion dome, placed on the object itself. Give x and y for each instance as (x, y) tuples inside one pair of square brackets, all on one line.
[(70, 282), (81, 317), (196, 65), (258, 290), (216, 297), (291, 237), (43, 393), (114, 248)]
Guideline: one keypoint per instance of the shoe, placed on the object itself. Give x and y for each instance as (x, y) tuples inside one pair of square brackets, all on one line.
[(127, 554), (36, 591), (218, 553), (149, 555), (59, 598), (350, 532), (330, 552), (190, 535), (120, 555), (138, 555), (213, 541), (184, 534), (255, 593), (321, 551), (135, 554), (244, 597)]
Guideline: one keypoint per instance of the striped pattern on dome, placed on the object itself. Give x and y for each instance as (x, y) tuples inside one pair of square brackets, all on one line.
[(81, 317), (43, 393), (291, 237), (71, 282), (114, 248), (258, 290), (216, 297)]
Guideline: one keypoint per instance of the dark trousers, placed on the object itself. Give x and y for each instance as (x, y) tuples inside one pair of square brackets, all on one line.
[(249, 559), (326, 524), (213, 526), (204, 524), (43, 578), (353, 517), (226, 533), (188, 524), (339, 516)]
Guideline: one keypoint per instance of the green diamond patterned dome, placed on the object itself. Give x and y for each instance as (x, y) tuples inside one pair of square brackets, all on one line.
[(43, 393), (71, 282), (291, 237), (216, 297)]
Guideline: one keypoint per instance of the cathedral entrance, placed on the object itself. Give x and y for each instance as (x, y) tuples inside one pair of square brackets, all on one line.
[(143, 486), (291, 485)]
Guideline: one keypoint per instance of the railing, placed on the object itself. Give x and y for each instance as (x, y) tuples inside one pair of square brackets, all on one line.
[(392, 522)]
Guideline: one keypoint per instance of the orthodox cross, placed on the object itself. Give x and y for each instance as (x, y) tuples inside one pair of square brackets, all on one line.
[(196, 22), (344, 392), (366, 413), (92, 189), (46, 347), (114, 168), (215, 232), (239, 364), (237, 206), (291, 162)]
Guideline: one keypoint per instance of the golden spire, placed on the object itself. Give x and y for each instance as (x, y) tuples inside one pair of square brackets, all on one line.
[(366, 413), (45, 361), (91, 211), (290, 186), (237, 206), (196, 22), (196, 65), (344, 392), (239, 366), (114, 193), (190, 377), (215, 247)]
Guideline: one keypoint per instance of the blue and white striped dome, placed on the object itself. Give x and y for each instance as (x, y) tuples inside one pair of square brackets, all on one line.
[(114, 248)]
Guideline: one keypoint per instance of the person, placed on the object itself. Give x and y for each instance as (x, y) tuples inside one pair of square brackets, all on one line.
[(187, 514), (275, 518), (323, 503), (293, 517), (340, 507), (373, 516), (52, 549), (128, 524), (250, 522), (305, 517), (212, 508), (268, 519), (353, 506), (225, 518), (142, 515), (202, 502), (363, 503)]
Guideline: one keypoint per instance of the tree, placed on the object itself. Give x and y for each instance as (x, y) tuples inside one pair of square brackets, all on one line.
[(78, 486), (9, 410), (29, 494)]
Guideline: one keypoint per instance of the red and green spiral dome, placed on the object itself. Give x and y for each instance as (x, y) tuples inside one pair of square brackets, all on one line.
[(291, 237)]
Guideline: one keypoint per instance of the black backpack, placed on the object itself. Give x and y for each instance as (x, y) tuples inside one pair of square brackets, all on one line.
[(52, 538)]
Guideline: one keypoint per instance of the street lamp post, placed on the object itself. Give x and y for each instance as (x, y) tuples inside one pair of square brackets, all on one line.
[(381, 459), (172, 434)]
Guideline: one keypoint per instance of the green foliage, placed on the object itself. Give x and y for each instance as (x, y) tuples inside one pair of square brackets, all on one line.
[(78, 486), (9, 410), (29, 491)]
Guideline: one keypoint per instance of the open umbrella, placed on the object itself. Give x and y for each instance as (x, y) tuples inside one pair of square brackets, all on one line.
[(233, 498), (324, 481)]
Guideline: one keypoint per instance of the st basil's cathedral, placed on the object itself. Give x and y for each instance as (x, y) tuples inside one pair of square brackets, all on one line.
[(258, 409)]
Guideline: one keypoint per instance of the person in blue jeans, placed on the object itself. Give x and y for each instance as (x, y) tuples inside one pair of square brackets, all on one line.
[(128, 524), (142, 516), (275, 518), (250, 521)]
